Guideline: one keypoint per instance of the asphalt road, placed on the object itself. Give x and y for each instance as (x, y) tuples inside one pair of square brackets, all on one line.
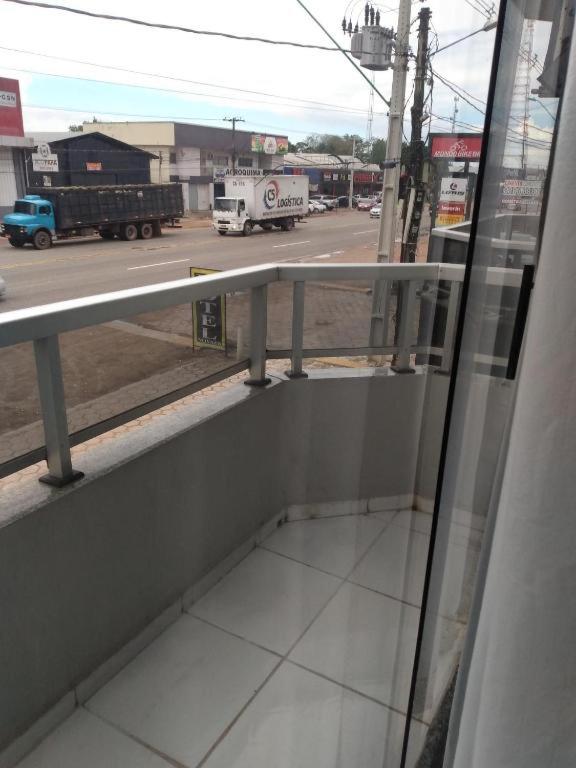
[(91, 266)]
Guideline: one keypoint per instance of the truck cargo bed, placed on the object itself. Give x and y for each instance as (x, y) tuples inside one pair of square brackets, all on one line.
[(92, 206)]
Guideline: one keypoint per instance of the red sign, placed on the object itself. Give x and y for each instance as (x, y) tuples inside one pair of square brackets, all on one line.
[(93, 166), (456, 209), (11, 123), (456, 146)]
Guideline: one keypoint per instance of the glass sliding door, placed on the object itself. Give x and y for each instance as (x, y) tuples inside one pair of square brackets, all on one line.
[(528, 75)]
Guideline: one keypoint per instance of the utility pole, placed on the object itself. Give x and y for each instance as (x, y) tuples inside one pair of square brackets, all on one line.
[(234, 120), (351, 190), (387, 234), (455, 113), (414, 198)]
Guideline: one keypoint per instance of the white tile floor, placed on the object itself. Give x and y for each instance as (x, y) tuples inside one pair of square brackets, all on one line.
[(300, 656)]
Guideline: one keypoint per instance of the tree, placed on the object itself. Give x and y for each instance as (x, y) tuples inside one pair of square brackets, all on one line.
[(75, 128)]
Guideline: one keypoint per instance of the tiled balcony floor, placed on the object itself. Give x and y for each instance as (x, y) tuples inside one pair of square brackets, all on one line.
[(299, 657)]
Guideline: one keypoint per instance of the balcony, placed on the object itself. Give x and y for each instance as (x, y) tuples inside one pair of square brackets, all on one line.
[(235, 580)]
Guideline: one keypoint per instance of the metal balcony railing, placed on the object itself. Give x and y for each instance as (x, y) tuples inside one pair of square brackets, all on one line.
[(43, 325)]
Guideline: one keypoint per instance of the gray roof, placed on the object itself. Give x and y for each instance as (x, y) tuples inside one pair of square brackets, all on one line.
[(48, 136), (313, 160)]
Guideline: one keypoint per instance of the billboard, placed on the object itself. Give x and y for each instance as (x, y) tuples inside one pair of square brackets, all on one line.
[(522, 195), (209, 317), (456, 146), (43, 161), (451, 201), (11, 123), (270, 145)]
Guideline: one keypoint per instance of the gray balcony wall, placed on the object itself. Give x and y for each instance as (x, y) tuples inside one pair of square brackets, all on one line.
[(85, 569)]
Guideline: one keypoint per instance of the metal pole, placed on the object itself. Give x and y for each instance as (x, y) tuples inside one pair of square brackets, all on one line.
[(258, 332), (387, 234), (351, 190), (51, 392), (296, 371)]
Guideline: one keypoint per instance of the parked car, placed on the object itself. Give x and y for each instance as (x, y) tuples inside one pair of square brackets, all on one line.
[(376, 211), (2, 287), (343, 201), (330, 201), (315, 207), (366, 203)]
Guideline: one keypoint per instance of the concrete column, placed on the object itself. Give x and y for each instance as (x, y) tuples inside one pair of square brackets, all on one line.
[(519, 707)]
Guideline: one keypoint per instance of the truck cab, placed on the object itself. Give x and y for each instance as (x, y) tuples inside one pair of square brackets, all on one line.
[(32, 221), (230, 215)]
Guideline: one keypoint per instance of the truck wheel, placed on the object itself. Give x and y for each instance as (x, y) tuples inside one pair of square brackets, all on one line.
[(42, 240), (247, 229), (128, 232), (145, 231), (106, 234), (16, 243), (157, 228), (288, 224)]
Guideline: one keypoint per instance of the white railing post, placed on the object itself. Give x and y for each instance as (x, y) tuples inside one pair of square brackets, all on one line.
[(450, 331), (51, 392), (405, 325), (296, 371), (258, 332)]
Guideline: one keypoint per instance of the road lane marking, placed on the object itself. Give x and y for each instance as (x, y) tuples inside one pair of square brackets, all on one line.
[(285, 245), (159, 264), (323, 256), (364, 232)]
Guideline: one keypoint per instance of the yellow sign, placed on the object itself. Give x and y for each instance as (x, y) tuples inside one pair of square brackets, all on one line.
[(447, 219), (209, 317)]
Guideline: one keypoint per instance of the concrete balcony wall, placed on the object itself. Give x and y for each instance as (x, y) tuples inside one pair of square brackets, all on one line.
[(85, 569)]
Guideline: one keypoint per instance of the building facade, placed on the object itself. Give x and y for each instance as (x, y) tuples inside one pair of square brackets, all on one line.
[(90, 160), (12, 145), (198, 156), (330, 174)]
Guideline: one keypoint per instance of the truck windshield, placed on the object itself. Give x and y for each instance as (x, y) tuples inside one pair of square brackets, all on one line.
[(20, 206), (225, 204)]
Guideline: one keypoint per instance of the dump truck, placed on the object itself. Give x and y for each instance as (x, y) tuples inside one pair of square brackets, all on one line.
[(128, 211), (264, 201)]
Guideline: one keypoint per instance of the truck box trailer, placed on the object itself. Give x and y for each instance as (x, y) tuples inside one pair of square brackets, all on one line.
[(265, 201), (127, 211)]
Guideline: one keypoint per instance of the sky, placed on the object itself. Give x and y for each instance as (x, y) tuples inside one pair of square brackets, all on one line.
[(193, 77)]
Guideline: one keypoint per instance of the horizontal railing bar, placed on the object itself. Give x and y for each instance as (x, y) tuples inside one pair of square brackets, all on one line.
[(330, 272), (284, 354), (18, 463), (502, 276), (51, 319), (38, 322), (494, 242), (106, 425)]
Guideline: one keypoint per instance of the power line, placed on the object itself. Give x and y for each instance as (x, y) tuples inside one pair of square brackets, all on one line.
[(350, 111), (478, 7), (175, 118), (166, 77), (345, 53), (171, 27), (458, 91), (544, 145)]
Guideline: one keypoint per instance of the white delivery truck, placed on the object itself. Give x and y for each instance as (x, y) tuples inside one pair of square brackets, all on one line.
[(266, 201)]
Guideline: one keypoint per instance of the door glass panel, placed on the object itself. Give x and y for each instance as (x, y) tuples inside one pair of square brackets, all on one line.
[(502, 243)]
